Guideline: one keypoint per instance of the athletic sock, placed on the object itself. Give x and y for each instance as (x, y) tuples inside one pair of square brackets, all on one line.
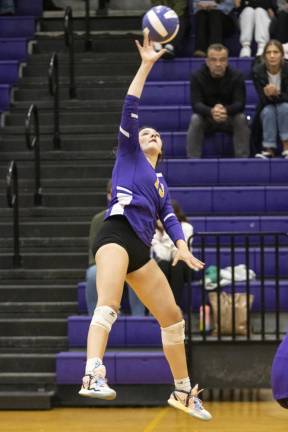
[(183, 384), (91, 364)]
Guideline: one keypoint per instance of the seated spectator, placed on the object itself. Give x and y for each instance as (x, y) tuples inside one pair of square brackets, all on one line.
[(271, 82), (163, 251), (7, 7), (136, 306), (254, 19), (175, 47), (218, 99), (213, 21), (279, 24)]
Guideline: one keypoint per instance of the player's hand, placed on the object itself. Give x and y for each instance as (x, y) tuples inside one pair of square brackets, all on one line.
[(183, 254), (146, 51)]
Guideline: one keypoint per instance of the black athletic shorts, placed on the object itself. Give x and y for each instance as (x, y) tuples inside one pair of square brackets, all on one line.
[(116, 229)]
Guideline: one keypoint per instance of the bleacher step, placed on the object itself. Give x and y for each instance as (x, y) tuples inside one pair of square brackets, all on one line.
[(32, 400)]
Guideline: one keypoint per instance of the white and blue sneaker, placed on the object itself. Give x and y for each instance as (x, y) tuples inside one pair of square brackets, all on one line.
[(189, 403), (95, 385)]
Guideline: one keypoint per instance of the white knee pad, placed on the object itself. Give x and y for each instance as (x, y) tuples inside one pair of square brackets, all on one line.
[(174, 334), (104, 316)]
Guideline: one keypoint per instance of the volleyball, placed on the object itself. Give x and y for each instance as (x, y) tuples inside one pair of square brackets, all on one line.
[(162, 23)]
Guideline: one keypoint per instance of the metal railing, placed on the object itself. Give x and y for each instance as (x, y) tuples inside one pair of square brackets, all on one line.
[(88, 42), (259, 252), (13, 202), (53, 81), (33, 143), (69, 42)]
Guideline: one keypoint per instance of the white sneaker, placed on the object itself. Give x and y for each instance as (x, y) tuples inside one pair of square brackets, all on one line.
[(189, 403), (264, 155), (95, 386), (245, 51), (260, 50), (285, 154)]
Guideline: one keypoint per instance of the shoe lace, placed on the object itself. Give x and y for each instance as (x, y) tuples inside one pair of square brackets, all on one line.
[(194, 395)]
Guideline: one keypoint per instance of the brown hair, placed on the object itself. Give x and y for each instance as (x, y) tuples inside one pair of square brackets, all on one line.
[(178, 211), (217, 47), (160, 156), (279, 47)]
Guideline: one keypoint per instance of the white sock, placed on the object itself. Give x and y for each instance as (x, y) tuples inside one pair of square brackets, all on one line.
[(91, 364), (183, 384)]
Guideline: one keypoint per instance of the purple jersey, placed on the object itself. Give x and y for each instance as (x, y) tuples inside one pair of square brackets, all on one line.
[(279, 374), (138, 192)]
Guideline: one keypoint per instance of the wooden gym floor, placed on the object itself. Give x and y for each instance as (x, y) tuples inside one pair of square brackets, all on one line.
[(228, 417)]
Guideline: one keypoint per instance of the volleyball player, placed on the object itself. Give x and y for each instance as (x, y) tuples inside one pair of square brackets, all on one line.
[(122, 250), (280, 374)]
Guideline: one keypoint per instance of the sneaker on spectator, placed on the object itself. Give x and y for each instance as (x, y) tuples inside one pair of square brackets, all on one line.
[(245, 51), (95, 385), (189, 403), (264, 155), (285, 154)]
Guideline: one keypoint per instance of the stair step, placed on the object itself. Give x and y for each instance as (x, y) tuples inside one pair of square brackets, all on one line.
[(32, 344), (33, 327), (34, 292), (65, 129), (24, 309), (27, 378), (20, 274), (35, 229), (28, 363), (98, 23), (31, 400), (54, 260)]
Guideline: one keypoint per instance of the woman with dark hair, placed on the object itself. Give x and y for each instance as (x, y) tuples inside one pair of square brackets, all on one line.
[(122, 250), (271, 82)]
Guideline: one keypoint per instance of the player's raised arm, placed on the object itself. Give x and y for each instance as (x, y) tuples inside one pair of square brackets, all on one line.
[(149, 56)]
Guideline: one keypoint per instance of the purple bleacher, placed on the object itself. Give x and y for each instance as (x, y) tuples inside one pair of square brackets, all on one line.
[(13, 49), (29, 7), (232, 199), (4, 96), (274, 224), (122, 368), (173, 117), (180, 69), (178, 93), (129, 331), (9, 71), (17, 26)]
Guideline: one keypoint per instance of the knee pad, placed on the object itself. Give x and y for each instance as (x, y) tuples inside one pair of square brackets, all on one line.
[(104, 316), (174, 334)]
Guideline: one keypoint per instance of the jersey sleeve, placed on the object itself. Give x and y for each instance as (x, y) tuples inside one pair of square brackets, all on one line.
[(129, 127), (170, 222)]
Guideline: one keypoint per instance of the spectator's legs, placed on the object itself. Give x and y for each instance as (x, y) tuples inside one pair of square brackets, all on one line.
[(90, 291), (281, 30), (195, 136), (269, 126), (7, 7), (241, 136), (137, 308), (262, 23), (282, 119), (201, 33), (178, 279), (216, 26), (246, 23)]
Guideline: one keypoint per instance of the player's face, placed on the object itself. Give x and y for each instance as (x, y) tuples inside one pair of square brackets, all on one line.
[(217, 62), (150, 141)]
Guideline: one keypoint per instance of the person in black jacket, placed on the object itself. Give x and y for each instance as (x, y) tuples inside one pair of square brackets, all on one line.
[(255, 17), (271, 82), (218, 97)]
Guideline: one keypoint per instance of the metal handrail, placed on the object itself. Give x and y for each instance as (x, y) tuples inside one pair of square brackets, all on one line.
[(53, 81), (13, 202), (33, 143), (88, 42), (69, 42)]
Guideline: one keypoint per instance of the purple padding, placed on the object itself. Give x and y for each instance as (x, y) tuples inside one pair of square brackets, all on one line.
[(13, 49), (274, 224), (28, 7), (218, 145), (70, 367), (4, 96), (233, 224), (82, 307), (238, 199), (142, 331), (279, 171), (277, 198), (247, 171), (174, 144), (17, 26), (78, 330), (255, 289), (210, 258), (8, 71), (191, 172), (181, 69), (198, 223), (142, 368), (193, 200)]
